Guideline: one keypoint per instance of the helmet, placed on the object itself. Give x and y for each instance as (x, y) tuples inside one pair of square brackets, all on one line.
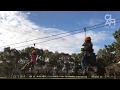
[(34, 52), (87, 38)]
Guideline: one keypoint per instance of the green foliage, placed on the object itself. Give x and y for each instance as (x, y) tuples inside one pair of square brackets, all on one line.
[(111, 53), (11, 58)]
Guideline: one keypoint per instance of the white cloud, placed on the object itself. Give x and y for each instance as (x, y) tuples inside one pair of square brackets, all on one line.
[(28, 13), (15, 27), (93, 22), (99, 36)]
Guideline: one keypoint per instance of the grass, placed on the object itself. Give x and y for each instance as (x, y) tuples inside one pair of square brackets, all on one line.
[(56, 77)]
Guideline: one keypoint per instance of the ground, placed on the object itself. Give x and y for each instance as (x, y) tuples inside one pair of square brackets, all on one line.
[(56, 77)]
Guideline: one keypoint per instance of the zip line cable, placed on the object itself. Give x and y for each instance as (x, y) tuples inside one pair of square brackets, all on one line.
[(64, 36), (51, 35), (59, 34)]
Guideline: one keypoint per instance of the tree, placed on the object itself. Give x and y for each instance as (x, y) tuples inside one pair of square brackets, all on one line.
[(111, 53), (116, 44)]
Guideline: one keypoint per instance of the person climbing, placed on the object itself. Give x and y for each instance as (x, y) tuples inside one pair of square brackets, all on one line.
[(88, 48), (33, 60)]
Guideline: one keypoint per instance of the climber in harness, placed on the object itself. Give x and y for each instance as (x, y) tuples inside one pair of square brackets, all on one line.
[(32, 61), (87, 50)]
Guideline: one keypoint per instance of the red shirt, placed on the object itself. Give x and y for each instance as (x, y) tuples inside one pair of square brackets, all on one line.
[(33, 58)]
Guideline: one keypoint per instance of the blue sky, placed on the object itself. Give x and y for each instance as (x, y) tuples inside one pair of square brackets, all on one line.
[(28, 25), (68, 20)]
